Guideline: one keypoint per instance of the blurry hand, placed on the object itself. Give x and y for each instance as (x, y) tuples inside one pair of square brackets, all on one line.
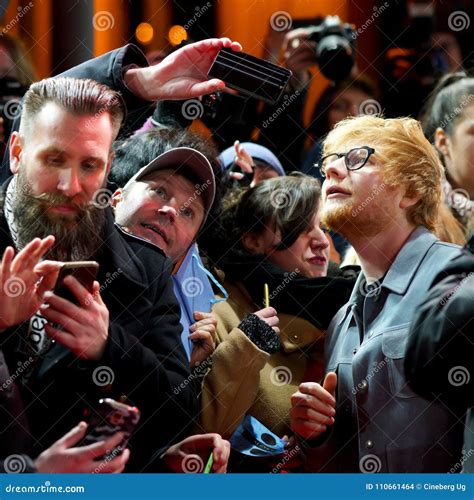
[(269, 315), (203, 335)]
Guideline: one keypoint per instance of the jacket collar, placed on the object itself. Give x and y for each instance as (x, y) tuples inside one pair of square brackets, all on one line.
[(404, 267)]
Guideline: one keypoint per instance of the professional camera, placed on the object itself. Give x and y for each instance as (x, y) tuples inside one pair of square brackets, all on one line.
[(336, 44)]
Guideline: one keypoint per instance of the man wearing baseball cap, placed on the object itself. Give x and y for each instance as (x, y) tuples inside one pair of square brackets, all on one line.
[(167, 202)]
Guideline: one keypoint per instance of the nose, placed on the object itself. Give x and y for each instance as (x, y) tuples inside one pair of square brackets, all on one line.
[(69, 183), (318, 238), (336, 169), (168, 212)]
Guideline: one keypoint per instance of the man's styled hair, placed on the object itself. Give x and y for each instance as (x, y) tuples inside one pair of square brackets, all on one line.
[(78, 96), (407, 159)]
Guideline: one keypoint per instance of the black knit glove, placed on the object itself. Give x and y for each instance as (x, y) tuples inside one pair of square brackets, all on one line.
[(260, 333)]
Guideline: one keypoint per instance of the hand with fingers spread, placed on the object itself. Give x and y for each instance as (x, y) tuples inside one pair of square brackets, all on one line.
[(200, 447), (182, 74), (299, 54), (24, 281), (84, 327), (313, 407), (269, 315), (203, 336), (64, 457)]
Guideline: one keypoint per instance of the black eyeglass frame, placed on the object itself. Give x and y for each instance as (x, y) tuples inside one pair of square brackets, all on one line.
[(370, 152)]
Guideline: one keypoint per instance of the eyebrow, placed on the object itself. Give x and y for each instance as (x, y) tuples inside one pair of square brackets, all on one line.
[(62, 152)]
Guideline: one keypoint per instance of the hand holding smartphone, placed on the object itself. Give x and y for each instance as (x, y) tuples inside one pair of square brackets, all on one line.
[(84, 271)]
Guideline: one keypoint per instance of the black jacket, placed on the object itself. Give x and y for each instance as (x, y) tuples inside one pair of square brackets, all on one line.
[(144, 353)]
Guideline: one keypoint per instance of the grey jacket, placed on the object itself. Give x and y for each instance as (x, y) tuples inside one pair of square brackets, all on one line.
[(381, 424)]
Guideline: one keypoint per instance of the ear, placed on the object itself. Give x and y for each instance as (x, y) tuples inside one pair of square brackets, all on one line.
[(253, 243), (117, 197), (407, 201), (442, 142), (15, 149)]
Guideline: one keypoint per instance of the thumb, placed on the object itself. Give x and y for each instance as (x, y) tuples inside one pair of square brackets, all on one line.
[(73, 436), (330, 383)]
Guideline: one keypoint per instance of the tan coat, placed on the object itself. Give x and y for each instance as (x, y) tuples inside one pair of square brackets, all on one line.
[(245, 379)]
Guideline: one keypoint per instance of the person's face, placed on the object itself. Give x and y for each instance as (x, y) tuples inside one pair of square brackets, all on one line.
[(347, 103), (359, 202), (459, 152), (163, 208), (308, 256), (66, 157)]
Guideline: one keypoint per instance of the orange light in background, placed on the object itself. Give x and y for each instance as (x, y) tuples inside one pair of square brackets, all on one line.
[(144, 33), (177, 34)]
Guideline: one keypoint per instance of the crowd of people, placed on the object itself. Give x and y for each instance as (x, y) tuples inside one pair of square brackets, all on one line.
[(318, 306)]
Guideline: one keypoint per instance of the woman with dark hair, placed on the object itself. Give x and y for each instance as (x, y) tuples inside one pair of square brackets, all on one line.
[(448, 122), (273, 237)]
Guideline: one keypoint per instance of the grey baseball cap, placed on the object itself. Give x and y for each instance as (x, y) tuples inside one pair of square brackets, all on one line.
[(189, 163)]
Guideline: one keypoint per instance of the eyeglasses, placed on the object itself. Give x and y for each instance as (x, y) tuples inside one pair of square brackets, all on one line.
[(354, 159)]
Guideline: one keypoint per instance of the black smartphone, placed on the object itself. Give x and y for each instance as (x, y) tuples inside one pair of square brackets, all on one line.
[(108, 418), (84, 271), (250, 75)]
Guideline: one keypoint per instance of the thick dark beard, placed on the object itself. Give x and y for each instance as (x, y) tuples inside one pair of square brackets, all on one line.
[(79, 239)]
